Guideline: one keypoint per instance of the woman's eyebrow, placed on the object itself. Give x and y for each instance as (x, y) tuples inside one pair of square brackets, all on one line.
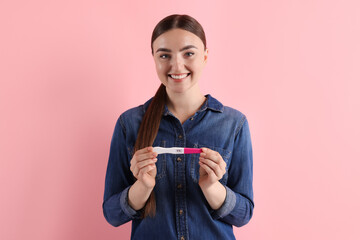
[(187, 47), (183, 49)]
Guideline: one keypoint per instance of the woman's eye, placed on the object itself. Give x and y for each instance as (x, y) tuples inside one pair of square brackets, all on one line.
[(163, 56), (189, 54)]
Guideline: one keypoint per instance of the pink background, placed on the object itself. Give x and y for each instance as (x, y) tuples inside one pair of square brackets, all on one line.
[(69, 68)]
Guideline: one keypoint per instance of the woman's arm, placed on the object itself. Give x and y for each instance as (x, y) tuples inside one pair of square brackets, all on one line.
[(232, 203), (118, 180), (144, 169), (238, 206), (212, 169)]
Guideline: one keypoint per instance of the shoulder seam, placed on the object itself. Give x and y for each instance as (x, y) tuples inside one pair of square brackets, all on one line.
[(121, 121), (243, 119)]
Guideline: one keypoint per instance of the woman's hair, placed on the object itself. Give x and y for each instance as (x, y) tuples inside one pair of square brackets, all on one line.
[(151, 121)]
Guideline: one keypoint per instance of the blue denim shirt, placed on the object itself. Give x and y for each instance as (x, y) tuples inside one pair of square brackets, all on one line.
[(182, 211)]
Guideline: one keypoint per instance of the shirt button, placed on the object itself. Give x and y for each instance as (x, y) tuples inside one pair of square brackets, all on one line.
[(178, 159), (179, 186), (182, 238), (181, 211), (180, 136), (191, 118)]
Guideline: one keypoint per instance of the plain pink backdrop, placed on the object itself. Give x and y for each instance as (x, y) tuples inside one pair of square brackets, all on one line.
[(69, 68)]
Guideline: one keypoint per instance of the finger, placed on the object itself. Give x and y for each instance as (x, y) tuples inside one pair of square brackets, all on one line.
[(212, 155), (135, 172), (140, 153), (142, 164), (146, 169), (143, 150), (146, 156), (218, 160), (207, 169), (140, 156), (135, 165), (223, 166), (213, 166)]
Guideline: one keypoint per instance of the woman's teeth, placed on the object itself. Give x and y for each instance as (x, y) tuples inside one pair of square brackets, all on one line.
[(179, 76)]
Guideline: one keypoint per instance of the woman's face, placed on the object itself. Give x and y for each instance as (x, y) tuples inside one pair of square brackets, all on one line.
[(179, 58)]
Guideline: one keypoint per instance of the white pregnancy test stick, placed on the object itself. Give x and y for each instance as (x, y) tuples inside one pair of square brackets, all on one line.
[(177, 150)]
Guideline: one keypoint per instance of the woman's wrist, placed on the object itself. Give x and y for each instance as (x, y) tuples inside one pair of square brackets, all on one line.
[(215, 194), (138, 195)]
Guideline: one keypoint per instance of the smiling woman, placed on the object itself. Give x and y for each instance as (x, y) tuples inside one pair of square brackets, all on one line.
[(198, 195), (179, 58)]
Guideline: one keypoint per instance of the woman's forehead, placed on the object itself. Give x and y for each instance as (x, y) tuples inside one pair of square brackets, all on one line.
[(177, 39)]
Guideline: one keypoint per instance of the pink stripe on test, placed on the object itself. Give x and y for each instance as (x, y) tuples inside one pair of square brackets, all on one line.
[(192, 150)]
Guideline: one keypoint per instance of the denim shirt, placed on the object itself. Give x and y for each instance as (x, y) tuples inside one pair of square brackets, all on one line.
[(182, 211)]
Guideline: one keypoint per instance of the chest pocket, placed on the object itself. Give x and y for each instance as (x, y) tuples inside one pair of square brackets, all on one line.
[(194, 165)]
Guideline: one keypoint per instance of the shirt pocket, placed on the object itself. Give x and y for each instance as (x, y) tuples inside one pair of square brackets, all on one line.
[(194, 165)]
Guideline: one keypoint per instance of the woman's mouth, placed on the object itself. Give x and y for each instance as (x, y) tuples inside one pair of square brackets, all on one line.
[(179, 76)]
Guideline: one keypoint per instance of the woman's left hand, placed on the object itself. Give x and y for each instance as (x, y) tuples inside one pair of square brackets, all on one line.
[(212, 167)]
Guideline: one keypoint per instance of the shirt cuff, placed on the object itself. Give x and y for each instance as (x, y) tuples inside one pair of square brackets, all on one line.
[(124, 204), (228, 205)]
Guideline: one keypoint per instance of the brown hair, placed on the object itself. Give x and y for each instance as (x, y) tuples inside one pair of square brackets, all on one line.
[(151, 121)]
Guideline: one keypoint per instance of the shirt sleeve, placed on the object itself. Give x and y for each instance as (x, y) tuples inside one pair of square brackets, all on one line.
[(238, 206), (118, 180)]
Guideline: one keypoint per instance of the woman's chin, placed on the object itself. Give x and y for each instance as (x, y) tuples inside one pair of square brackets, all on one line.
[(180, 88)]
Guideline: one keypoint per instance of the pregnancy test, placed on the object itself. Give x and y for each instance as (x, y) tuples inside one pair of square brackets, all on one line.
[(177, 150)]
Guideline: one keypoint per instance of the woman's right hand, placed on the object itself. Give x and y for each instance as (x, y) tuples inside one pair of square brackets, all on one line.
[(143, 167)]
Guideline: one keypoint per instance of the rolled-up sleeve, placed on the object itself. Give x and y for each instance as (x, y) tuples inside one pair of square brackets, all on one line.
[(238, 206), (118, 180)]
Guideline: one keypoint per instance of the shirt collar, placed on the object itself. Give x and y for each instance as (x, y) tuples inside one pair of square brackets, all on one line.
[(211, 103)]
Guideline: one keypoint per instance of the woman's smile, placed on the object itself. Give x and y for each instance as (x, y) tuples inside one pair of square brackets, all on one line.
[(179, 77)]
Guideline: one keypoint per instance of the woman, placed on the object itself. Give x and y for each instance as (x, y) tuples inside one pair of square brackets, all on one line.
[(192, 196)]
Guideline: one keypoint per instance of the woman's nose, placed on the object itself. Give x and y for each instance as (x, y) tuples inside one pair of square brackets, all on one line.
[(177, 63)]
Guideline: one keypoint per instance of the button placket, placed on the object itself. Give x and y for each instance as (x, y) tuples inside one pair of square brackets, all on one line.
[(180, 180)]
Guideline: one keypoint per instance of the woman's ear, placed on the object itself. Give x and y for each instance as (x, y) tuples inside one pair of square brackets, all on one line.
[(206, 53)]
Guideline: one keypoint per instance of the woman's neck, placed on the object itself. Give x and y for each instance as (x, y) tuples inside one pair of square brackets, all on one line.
[(184, 105)]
